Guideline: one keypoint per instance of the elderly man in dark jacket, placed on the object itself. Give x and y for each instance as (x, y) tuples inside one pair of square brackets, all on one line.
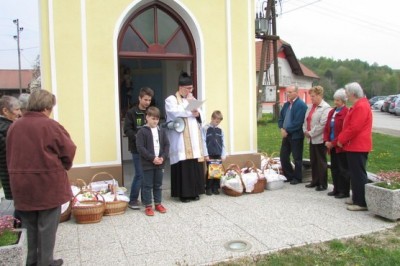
[(290, 122)]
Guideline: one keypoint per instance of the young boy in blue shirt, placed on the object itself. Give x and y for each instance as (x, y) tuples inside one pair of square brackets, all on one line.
[(214, 137)]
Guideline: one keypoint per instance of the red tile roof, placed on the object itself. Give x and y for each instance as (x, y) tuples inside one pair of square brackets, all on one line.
[(283, 47), (9, 78)]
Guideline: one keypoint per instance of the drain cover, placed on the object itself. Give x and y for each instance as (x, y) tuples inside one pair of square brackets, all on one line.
[(237, 245)]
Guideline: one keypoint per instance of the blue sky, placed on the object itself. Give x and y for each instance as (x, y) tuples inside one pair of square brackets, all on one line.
[(368, 30)]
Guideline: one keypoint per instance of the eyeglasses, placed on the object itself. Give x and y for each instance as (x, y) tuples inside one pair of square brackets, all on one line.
[(188, 87)]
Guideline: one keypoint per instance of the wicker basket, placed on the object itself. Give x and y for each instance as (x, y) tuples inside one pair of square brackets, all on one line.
[(274, 184), (228, 191), (91, 212), (259, 186), (115, 207), (66, 215)]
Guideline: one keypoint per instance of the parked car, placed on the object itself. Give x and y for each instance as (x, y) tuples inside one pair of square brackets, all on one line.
[(375, 99), (378, 105), (393, 103), (397, 108), (386, 103)]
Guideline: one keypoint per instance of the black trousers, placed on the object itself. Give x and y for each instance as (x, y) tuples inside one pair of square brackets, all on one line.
[(357, 162), (340, 173), (319, 165), (294, 147)]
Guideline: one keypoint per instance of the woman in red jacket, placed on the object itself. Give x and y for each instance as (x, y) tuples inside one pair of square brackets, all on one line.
[(356, 141), (39, 153), (333, 126)]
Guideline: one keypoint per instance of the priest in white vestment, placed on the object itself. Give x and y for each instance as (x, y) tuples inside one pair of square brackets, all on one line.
[(187, 148)]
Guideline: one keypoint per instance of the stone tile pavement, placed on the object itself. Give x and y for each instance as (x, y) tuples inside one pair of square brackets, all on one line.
[(195, 233)]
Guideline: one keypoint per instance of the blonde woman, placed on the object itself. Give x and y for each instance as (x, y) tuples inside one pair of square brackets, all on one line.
[(313, 127)]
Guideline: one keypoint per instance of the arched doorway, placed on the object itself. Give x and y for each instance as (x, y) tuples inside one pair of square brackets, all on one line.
[(154, 46)]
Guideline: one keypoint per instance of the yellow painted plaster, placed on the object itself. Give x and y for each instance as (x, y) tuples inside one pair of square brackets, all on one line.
[(101, 20)]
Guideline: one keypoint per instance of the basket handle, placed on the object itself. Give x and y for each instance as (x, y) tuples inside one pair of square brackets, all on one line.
[(250, 164), (101, 173), (234, 167), (269, 165), (273, 155), (84, 186)]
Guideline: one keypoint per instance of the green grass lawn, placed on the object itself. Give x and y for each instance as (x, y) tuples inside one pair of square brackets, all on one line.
[(381, 158), (379, 248)]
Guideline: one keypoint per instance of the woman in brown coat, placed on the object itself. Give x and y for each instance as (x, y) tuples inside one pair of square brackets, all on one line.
[(39, 152)]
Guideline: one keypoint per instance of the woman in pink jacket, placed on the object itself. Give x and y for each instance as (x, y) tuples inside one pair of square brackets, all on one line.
[(39, 153), (356, 141)]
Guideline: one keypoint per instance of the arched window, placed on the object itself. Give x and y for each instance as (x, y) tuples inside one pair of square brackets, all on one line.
[(156, 31)]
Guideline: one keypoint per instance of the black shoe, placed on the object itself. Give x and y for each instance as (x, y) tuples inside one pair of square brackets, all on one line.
[(341, 196), (58, 262), (320, 188), (185, 200), (333, 193), (215, 192), (196, 198), (310, 186), (295, 182), (208, 192), (288, 180)]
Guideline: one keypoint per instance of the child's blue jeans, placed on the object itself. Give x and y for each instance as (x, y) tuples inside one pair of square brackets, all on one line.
[(152, 183)]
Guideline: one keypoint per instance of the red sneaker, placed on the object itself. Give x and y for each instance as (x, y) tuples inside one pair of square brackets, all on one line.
[(149, 211), (161, 208)]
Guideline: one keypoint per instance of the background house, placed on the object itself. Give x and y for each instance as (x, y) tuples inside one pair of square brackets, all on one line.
[(9, 81), (291, 72)]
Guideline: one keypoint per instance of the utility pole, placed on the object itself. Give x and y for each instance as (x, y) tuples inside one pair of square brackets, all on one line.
[(276, 67), (262, 32), (16, 37)]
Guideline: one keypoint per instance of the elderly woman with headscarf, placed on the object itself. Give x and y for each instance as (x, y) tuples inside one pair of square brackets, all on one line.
[(313, 127), (333, 127), (356, 141)]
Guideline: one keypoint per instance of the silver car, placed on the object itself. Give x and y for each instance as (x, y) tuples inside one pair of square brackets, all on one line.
[(397, 108), (378, 105), (393, 103)]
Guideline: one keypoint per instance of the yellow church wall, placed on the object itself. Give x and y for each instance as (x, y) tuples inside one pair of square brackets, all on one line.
[(103, 100), (213, 29), (86, 75), (228, 71), (44, 46), (243, 74), (64, 77)]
